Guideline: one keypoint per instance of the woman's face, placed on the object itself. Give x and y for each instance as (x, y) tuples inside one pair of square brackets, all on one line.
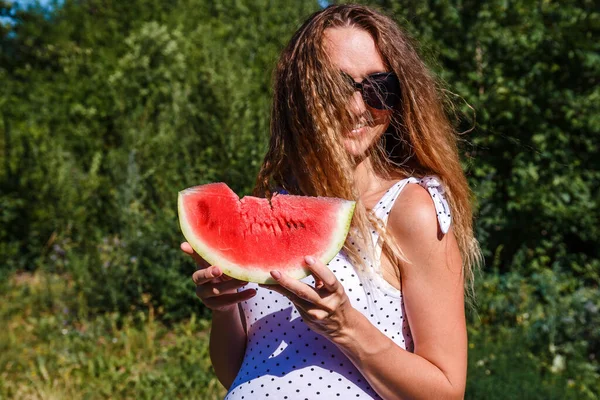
[(353, 51)]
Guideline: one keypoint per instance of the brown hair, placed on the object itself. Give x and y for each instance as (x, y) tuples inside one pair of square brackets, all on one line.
[(305, 154)]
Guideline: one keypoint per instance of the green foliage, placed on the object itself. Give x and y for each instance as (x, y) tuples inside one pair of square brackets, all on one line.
[(53, 348), (50, 351), (108, 114), (109, 108), (550, 322), (529, 73), (501, 366)]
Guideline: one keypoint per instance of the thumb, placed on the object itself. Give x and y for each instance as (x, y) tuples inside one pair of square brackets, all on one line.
[(200, 262)]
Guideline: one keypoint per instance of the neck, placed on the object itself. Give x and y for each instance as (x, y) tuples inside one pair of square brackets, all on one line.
[(366, 179)]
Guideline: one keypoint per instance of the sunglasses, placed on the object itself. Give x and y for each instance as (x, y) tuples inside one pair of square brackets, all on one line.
[(380, 90)]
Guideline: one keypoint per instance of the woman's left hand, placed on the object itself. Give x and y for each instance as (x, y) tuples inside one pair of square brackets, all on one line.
[(325, 308)]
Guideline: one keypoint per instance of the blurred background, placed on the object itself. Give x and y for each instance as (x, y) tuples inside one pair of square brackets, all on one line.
[(108, 108)]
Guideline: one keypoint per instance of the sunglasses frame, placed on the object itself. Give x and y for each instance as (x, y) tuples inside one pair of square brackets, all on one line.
[(373, 83)]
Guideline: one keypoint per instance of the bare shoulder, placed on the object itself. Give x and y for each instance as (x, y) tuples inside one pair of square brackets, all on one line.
[(432, 283), (414, 225), (413, 216)]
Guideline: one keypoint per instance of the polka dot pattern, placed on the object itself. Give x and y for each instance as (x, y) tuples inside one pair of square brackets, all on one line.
[(286, 360), (436, 190)]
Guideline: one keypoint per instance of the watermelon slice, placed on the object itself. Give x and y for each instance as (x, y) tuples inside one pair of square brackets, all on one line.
[(247, 238)]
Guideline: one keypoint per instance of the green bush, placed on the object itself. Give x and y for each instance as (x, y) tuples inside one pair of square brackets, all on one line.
[(502, 366), (108, 109), (50, 351), (549, 319)]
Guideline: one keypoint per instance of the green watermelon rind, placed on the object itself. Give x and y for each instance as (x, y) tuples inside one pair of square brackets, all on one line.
[(344, 219)]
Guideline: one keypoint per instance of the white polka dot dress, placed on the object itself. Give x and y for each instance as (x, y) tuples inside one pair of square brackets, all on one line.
[(285, 359)]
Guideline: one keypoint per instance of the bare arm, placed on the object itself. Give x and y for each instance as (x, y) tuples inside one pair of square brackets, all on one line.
[(433, 290), (228, 337), (432, 286), (227, 345)]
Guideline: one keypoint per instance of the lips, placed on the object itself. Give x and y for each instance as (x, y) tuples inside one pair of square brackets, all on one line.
[(359, 129)]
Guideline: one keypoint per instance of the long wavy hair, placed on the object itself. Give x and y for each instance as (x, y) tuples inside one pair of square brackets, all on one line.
[(309, 113)]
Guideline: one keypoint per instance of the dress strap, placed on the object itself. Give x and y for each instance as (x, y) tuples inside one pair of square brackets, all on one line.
[(442, 208), (433, 186), (384, 206)]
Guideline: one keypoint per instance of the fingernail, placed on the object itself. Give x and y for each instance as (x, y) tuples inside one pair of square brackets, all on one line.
[(309, 260), (276, 275), (215, 272)]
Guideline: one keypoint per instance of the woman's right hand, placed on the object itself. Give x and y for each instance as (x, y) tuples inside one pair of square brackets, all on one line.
[(216, 290)]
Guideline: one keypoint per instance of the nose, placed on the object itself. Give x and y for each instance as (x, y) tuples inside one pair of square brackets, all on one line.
[(357, 105)]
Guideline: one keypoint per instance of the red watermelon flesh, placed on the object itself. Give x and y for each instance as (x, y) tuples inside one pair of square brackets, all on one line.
[(250, 237)]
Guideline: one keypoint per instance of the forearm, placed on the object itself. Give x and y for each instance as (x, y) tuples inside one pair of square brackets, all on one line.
[(393, 372), (227, 344)]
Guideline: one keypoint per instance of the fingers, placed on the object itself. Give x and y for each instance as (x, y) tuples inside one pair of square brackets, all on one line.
[(217, 289), (218, 293), (203, 276), (187, 249), (323, 275), (295, 287), (298, 302), (227, 300)]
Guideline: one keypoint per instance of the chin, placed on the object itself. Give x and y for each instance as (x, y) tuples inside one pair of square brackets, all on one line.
[(358, 142), (355, 150)]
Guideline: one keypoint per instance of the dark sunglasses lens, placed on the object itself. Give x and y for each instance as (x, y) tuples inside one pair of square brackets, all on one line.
[(382, 91)]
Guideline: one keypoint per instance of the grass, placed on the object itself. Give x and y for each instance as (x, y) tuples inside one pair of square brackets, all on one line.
[(50, 348), (502, 367)]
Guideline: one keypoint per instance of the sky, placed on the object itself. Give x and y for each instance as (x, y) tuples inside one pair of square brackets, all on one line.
[(27, 3)]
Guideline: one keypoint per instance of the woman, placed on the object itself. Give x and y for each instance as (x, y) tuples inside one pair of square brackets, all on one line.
[(356, 115)]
